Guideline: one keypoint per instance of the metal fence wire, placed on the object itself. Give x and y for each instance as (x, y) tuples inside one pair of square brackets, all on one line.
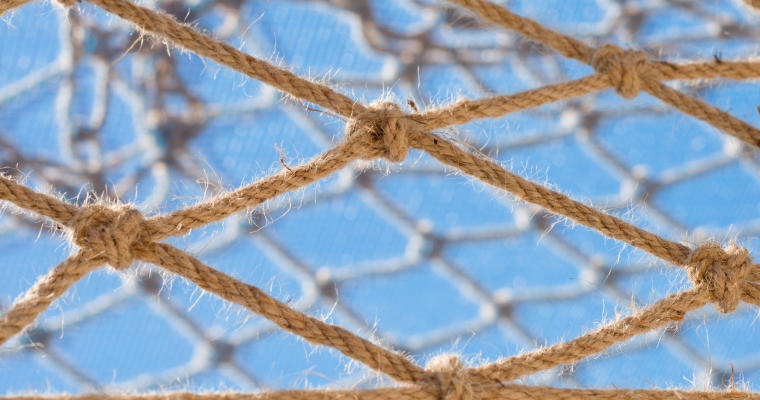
[(424, 260)]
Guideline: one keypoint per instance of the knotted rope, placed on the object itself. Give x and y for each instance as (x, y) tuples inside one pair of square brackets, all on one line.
[(623, 67), (451, 377), (110, 232), (385, 121), (721, 272)]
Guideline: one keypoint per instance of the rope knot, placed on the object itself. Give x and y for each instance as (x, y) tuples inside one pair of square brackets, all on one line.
[(721, 271), (622, 66), (388, 124), (108, 231), (451, 376), (67, 3)]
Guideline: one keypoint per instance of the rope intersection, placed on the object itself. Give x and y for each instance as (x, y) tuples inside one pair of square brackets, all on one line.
[(117, 235)]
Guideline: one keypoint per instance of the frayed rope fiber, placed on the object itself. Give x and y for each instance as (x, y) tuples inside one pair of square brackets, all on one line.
[(118, 234)]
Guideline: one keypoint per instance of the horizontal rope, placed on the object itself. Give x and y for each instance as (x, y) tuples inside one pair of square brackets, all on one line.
[(506, 392)]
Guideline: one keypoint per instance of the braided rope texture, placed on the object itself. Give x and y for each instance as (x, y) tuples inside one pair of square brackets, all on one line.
[(441, 257)]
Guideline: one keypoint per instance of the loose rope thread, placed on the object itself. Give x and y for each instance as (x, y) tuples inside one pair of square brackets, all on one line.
[(117, 235)]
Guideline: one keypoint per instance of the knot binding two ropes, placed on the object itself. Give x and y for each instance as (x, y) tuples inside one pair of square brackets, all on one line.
[(624, 68), (110, 232), (452, 377), (67, 3), (722, 272), (387, 124), (119, 234)]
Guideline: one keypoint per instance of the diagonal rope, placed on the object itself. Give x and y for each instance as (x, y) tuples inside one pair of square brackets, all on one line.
[(495, 175), (672, 308), (47, 289), (254, 299)]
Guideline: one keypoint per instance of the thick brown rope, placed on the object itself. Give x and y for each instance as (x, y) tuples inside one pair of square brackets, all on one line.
[(490, 392), (8, 5), (492, 173), (118, 234), (753, 3), (254, 299), (47, 289), (182, 221), (672, 308), (39, 203)]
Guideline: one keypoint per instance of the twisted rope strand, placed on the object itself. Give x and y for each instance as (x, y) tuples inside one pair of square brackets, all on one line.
[(48, 288), (8, 5), (465, 111), (254, 299), (30, 200), (184, 36), (495, 175), (492, 392), (672, 308), (701, 110), (182, 221)]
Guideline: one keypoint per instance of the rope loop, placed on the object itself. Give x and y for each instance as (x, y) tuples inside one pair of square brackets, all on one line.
[(388, 124), (720, 271), (451, 376), (111, 232), (622, 66)]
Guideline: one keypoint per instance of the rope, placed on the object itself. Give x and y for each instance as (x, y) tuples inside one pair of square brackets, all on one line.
[(117, 234), (427, 392), (39, 297)]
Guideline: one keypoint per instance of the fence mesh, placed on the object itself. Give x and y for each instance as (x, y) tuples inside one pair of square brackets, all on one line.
[(424, 259)]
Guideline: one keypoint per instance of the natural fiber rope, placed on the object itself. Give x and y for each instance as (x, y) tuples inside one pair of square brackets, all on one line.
[(8, 5), (47, 288), (118, 234), (492, 392), (753, 3)]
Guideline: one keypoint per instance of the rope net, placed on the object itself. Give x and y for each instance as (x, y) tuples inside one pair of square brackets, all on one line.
[(107, 232)]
